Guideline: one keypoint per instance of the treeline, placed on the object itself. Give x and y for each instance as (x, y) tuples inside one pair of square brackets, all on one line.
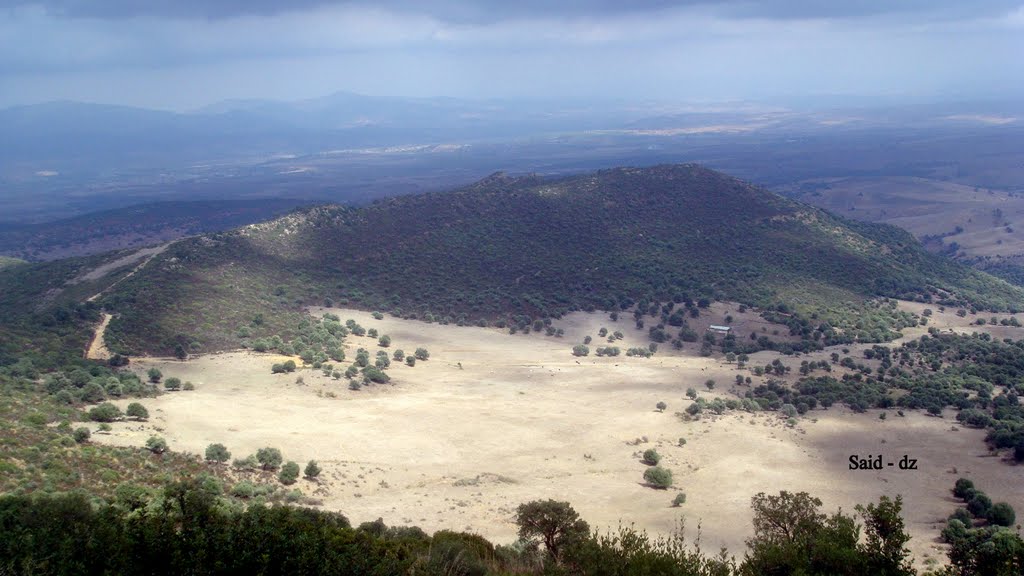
[(188, 530)]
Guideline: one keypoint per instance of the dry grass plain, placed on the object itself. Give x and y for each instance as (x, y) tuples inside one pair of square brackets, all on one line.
[(493, 420), (926, 207)]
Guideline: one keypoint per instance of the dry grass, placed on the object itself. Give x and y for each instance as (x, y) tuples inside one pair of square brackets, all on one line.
[(494, 420)]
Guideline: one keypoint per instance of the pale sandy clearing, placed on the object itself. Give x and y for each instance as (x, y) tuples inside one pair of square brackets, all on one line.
[(534, 422)]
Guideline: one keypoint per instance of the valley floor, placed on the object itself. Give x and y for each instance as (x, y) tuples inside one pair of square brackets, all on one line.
[(493, 420)]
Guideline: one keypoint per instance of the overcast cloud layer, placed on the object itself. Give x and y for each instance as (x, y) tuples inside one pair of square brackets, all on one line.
[(181, 54)]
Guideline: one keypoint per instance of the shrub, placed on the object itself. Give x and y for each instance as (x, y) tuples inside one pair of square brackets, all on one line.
[(580, 350), (289, 473), (243, 489), (217, 453), (312, 469), (410, 360), (384, 341), (137, 411), (682, 441), (81, 435), (962, 515), (422, 354), (172, 384), (691, 393), (679, 500), (651, 457), (1002, 514), (188, 386), (105, 412), (156, 445), (979, 505), (661, 406), (247, 463), (154, 375), (658, 477), (399, 355), (269, 458), (963, 489), (277, 368), (710, 384)]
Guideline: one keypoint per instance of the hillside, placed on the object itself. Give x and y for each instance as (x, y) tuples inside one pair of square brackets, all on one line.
[(525, 247), (132, 226)]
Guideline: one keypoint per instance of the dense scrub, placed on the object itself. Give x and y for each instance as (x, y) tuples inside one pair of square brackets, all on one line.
[(511, 248), (979, 376)]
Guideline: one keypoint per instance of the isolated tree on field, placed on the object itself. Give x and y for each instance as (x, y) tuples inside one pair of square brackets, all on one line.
[(312, 469), (410, 360), (384, 341), (651, 457), (269, 458), (399, 355), (691, 393), (137, 411), (217, 453), (710, 384), (553, 523), (658, 477), (422, 354), (172, 384), (154, 375), (661, 406)]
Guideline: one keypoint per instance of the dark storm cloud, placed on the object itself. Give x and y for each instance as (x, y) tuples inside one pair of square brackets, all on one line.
[(491, 10)]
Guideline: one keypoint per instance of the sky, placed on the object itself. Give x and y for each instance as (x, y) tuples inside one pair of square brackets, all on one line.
[(184, 54)]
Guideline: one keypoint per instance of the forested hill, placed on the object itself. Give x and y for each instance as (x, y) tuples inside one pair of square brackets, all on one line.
[(508, 247)]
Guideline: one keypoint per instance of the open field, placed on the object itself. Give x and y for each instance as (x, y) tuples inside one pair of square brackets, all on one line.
[(989, 220), (493, 420)]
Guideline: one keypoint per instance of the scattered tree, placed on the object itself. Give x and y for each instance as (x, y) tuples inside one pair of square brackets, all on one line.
[(217, 453), (651, 457), (269, 458), (137, 411), (658, 477), (154, 375), (312, 470), (289, 473), (661, 406)]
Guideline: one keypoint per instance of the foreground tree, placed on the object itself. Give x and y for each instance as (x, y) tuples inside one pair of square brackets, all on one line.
[(553, 523), (885, 549)]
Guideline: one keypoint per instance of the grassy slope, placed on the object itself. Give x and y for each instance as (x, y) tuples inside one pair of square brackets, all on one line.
[(539, 248)]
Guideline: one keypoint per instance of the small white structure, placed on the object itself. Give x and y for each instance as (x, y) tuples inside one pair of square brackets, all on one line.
[(719, 329)]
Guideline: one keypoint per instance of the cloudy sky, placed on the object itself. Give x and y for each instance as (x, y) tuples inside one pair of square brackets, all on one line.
[(181, 54)]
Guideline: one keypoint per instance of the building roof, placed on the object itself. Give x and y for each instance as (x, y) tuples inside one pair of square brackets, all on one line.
[(719, 328)]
